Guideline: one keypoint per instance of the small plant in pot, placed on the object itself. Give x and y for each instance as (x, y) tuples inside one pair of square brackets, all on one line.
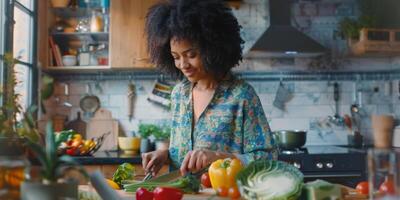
[(145, 131), (162, 137), (52, 168)]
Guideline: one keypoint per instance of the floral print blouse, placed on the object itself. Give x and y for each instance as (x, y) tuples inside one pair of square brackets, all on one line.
[(233, 121)]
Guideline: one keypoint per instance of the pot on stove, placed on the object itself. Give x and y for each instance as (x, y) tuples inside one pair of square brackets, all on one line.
[(290, 139)]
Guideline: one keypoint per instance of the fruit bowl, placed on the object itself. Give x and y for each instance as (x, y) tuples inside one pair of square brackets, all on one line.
[(74, 145)]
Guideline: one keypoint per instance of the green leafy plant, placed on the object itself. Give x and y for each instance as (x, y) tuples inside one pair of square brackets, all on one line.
[(145, 130), (10, 109), (52, 165), (351, 27)]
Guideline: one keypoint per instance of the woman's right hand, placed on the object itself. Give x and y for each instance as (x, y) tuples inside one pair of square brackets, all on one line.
[(153, 161)]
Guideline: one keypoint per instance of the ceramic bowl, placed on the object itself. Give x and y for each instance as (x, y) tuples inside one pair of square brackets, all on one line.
[(59, 3), (69, 60), (129, 145)]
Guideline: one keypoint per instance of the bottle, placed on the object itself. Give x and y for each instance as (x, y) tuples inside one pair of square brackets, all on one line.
[(96, 22)]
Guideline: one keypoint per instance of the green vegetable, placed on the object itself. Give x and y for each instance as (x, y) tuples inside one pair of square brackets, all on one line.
[(63, 136), (320, 189), (269, 179), (125, 171), (188, 184)]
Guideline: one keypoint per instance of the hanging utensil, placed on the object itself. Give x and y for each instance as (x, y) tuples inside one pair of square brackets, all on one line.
[(131, 96), (89, 103), (336, 119), (282, 96)]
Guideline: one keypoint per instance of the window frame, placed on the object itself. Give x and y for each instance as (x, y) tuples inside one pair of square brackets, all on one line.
[(8, 26)]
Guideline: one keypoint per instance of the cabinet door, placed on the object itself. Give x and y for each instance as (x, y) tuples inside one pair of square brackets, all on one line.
[(128, 46)]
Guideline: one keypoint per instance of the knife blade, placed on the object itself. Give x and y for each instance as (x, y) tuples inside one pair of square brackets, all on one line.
[(166, 177)]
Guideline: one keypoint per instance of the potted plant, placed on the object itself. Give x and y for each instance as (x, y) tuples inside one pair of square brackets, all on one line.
[(52, 168), (162, 137), (145, 131), (15, 126), (350, 27)]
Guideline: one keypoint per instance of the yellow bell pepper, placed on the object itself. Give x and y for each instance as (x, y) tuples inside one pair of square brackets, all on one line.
[(222, 173)]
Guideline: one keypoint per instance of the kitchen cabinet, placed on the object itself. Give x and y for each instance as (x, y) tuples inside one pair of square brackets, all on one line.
[(122, 38), (128, 39)]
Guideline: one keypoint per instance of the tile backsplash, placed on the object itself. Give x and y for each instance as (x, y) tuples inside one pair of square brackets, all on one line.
[(309, 108)]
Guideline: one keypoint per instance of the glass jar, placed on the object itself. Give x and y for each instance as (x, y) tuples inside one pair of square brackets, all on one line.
[(14, 168), (84, 56)]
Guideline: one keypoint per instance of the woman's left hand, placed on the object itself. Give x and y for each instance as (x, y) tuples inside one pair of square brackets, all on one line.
[(198, 159)]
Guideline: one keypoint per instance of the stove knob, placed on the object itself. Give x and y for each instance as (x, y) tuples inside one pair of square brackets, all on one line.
[(297, 165), (319, 165), (329, 165)]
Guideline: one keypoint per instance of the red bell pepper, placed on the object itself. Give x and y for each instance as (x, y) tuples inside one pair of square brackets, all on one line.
[(165, 193), (143, 194)]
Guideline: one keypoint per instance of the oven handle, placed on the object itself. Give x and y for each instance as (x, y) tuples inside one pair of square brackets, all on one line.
[(330, 176)]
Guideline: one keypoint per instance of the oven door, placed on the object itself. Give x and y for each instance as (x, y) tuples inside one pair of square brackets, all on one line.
[(350, 179)]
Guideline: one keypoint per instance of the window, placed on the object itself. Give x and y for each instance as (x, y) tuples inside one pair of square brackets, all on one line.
[(22, 44), (2, 40)]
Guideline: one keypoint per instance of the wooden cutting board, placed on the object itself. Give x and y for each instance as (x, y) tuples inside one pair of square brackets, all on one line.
[(204, 194), (101, 123)]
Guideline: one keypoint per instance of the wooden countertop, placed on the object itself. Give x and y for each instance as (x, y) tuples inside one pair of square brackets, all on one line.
[(203, 194)]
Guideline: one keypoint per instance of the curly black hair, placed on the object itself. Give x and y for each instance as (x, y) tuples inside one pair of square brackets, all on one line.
[(209, 24)]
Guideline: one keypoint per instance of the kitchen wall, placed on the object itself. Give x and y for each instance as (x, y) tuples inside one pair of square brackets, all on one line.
[(312, 101)]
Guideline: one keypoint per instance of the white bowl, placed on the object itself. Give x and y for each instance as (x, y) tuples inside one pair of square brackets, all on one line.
[(69, 60)]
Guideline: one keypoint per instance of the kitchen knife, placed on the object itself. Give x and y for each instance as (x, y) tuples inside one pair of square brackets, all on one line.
[(166, 177), (171, 176)]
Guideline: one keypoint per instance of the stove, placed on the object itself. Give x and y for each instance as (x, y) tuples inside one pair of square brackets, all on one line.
[(342, 165)]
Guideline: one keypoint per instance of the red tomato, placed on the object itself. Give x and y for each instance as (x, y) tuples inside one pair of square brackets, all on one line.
[(387, 187), (71, 151), (363, 187), (164, 193), (143, 194), (234, 193), (205, 180), (222, 191)]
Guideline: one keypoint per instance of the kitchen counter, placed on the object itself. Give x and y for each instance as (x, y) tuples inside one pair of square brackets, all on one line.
[(109, 158)]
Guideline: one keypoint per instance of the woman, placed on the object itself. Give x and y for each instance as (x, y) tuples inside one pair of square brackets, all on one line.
[(214, 114)]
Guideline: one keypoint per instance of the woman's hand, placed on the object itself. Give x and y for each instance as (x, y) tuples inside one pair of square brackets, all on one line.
[(198, 159), (153, 161)]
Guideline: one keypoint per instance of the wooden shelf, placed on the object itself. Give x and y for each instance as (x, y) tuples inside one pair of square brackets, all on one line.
[(77, 12), (89, 36), (378, 42), (76, 68)]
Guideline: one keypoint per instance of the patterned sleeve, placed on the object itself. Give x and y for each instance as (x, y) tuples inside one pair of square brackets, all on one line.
[(256, 133)]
